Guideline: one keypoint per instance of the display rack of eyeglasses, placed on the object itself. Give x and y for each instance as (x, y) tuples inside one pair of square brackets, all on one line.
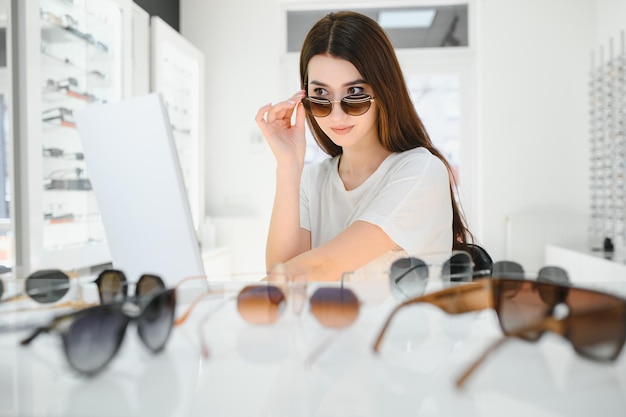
[(77, 56), (177, 73), (607, 98)]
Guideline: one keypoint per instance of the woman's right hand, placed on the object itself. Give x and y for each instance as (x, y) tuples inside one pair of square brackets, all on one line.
[(286, 140)]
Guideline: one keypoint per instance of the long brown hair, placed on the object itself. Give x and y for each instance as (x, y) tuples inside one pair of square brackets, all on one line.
[(361, 41)]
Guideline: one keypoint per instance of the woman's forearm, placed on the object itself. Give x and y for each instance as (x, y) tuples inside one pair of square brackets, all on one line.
[(284, 239)]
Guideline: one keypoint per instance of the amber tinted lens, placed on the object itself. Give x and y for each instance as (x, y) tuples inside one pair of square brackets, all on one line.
[(408, 277), (508, 269), (596, 325), (519, 305), (317, 107), (334, 307), (47, 286), (261, 304), (357, 104), (354, 105), (112, 286), (149, 284)]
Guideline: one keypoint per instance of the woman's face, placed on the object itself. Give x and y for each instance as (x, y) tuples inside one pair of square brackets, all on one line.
[(333, 79)]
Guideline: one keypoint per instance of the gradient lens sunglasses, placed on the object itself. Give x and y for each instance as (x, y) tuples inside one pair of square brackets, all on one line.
[(409, 276), (592, 321), (352, 105), (45, 287), (334, 307), (51, 285), (92, 336)]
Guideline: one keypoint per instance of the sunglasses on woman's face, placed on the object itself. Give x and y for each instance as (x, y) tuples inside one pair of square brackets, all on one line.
[(593, 322), (50, 285), (92, 336), (352, 105)]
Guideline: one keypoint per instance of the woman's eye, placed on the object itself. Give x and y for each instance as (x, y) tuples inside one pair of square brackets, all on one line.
[(318, 92), (355, 90)]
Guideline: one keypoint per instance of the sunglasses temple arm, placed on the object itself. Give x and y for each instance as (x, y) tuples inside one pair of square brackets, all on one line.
[(312, 357), (447, 300), (469, 371), (37, 332), (549, 323), (382, 332), (15, 297), (183, 317)]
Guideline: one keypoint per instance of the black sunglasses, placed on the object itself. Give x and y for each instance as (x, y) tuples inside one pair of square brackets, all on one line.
[(352, 105), (45, 287), (50, 285), (92, 336), (113, 285), (409, 276)]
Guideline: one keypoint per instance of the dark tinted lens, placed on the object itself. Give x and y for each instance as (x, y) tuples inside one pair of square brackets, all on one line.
[(356, 105), (318, 107), (261, 304), (1, 288), (458, 268), (596, 324), (47, 286), (519, 306), (335, 307), (112, 286), (553, 295), (553, 274), (408, 277), (508, 269), (156, 320), (93, 339)]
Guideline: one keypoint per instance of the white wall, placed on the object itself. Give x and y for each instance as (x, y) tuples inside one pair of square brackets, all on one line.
[(534, 63), (533, 68)]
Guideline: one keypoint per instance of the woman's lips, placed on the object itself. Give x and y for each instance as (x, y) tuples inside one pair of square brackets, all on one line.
[(341, 130)]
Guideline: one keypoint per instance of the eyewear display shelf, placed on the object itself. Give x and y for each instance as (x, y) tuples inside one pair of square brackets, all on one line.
[(278, 370), (177, 72), (607, 98), (77, 54)]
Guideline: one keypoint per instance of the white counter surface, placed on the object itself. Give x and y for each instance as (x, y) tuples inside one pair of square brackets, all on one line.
[(263, 370)]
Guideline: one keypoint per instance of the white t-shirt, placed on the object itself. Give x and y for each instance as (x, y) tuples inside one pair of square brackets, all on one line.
[(408, 197)]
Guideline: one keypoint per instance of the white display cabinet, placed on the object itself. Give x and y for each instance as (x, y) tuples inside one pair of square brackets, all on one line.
[(177, 71), (73, 53)]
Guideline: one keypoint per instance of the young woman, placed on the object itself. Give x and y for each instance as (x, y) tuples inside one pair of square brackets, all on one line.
[(386, 191)]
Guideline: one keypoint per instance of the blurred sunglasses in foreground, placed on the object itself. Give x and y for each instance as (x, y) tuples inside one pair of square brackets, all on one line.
[(45, 287), (50, 286), (593, 322), (264, 304), (92, 336), (409, 276)]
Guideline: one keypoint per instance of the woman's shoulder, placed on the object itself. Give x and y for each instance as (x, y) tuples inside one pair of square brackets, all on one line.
[(315, 172), (417, 160), (322, 166)]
